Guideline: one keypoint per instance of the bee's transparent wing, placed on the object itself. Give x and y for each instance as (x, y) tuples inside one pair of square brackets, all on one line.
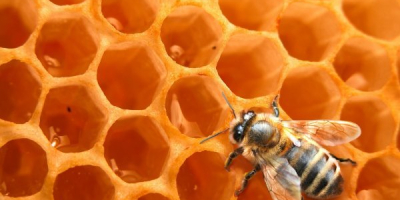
[(325, 132), (281, 179)]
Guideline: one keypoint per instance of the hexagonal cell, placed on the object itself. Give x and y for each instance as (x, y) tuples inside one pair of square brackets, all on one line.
[(146, 139), (375, 119), (251, 65), (195, 106), (20, 90), (18, 19), (153, 196), (83, 183), (253, 15), (309, 93), (363, 64), (66, 45), (130, 16), (319, 32), (380, 179), (23, 168), (70, 119), (202, 176), (66, 2), (130, 75), (191, 36), (378, 18)]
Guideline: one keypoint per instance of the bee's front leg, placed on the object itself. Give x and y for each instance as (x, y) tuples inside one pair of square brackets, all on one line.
[(232, 156), (274, 105), (246, 179)]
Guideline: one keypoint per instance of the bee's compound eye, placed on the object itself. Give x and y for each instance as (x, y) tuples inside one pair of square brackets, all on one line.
[(238, 133)]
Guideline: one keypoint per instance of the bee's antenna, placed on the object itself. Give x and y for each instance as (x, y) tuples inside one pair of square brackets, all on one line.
[(212, 136), (230, 106), (234, 114)]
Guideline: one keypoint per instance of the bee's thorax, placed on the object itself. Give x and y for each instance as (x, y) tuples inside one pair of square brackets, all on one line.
[(263, 134)]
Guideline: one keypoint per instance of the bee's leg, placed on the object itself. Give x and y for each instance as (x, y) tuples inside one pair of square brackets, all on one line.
[(344, 160), (246, 179), (232, 156), (275, 106)]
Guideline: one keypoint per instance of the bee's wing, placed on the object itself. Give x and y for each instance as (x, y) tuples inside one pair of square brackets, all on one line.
[(325, 132), (281, 179)]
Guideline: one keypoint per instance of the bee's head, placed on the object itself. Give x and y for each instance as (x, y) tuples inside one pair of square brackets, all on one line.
[(239, 127)]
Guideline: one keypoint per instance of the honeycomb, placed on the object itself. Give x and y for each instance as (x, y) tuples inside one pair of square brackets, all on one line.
[(109, 99)]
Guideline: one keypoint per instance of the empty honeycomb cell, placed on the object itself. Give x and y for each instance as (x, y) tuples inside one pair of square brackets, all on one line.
[(253, 15), (130, 16), (130, 75), (136, 149), (23, 168), (363, 64), (70, 119), (83, 183), (195, 106), (309, 93), (375, 119), (309, 32), (378, 18), (191, 36), (20, 89), (66, 45), (379, 179), (18, 19), (251, 65), (153, 196), (66, 2), (202, 176)]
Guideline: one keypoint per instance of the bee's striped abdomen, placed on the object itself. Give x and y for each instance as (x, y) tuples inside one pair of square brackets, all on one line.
[(319, 172), (329, 181), (299, 157)]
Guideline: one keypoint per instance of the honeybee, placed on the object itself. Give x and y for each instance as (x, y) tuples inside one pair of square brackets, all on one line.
[(289, 152)]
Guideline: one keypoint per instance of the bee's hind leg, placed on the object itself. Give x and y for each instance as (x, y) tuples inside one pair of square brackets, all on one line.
[(232, 156), (345, 160), (246, 179)]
